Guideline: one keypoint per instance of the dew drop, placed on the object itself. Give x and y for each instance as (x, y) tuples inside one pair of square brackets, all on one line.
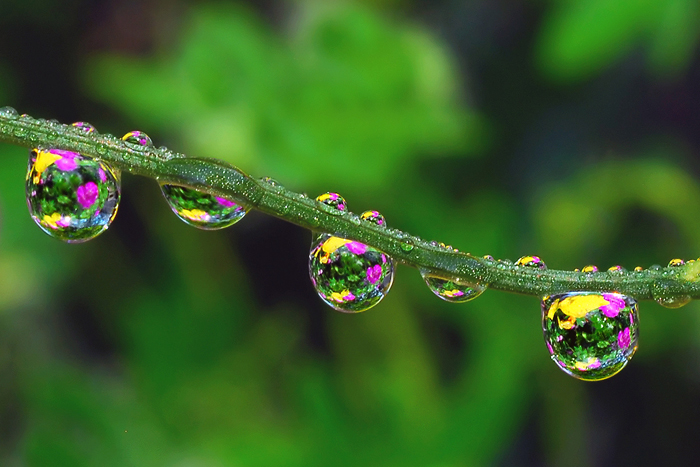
[(374, 217), (674, 263), (333, 201), (272, 181), (638, 269), (202, 210), (138, 138), (590, 335), (71, 197), (85, 127), (407, 245), (590, 268), (531, 262), (661, 294), (101, 149), (454, 291), (488, 258), (616, 269), (8, 112), (349, 276)]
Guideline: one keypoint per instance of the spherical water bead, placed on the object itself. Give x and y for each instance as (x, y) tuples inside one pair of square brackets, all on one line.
[(334, 200), (8, 112), (202, 210), (349, 276), (590, 268), (138, 138), (374, 217), (616, 269), (674, 263), (85, 127), (590, 335), (531, 262), (638, 269), (453, 291), (70, 196)]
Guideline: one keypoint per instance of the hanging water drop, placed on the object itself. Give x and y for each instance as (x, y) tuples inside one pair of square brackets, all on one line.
[(590, 335), (590, 268), (452, 290), (138, 138), (374, 217), (531, 262), (8, 112), (662, 294), (85, 127), (71, 197), (349, 276), (333, 201), (202, 210)]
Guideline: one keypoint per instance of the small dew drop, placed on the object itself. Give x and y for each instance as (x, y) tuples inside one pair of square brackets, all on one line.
[(272, 181), (453, 291), (674, 263), (84, 127), (662, 295), (590, 335), (101, 149), (407, 245), (488, 257), (71, 197), (531, 262), (349, 276), (374, 217), (202, 210), (137, 138), (20, 132), (616, 269), (590, 268), (332, 203), (8, 112), (638, 269)]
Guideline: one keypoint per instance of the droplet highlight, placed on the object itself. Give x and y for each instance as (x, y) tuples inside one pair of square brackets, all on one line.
[(374, 217), (202, 210), (71, 197), (531, 262), (589, 335), (8, 112), (450, 290), (349, 276), (138, 138)]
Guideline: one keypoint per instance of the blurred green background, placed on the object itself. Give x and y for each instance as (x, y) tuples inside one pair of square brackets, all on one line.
[(566, 129)]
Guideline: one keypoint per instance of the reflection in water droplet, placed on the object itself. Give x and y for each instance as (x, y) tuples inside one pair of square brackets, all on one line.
[(202, 210), (407, 245), (590, 268), (531, 262), (674, 263), (617, 268), (660, 291), (452, 290), (333, 200), (85, 127), (374, 217), (349, 276), (8, 112), (71, 197), (591, 336), (638, 269), (138, 138)]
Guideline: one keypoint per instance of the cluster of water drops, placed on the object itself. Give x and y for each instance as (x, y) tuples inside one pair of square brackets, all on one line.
[(589, 335), (75, 197)]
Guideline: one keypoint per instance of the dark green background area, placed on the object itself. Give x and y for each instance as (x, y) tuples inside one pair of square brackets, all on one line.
[(564, 129)]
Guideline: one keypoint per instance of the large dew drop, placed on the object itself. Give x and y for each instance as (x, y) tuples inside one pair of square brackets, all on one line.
[(334, 202), (531, 262), (349, 276), (71, 197), (590, 335), (137, 138), (202, 210), (452, 290)]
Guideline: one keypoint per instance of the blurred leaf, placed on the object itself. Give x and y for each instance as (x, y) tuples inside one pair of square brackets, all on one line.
[(580, 38)]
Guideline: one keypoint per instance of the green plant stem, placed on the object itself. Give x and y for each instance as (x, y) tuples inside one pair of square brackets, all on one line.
[(222, 179)]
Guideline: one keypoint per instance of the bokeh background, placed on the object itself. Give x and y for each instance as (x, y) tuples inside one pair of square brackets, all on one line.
[(569, 129)]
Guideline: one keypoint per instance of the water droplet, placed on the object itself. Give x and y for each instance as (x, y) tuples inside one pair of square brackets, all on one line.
[(655, 267), (70, 196), (407, 245), (202, 210), (272, 181), (334, 201), (590, 268), (374, 217), (591, 336), (674, 263), (531, 262), (617, 269), (20, 132), (101, 149), (8, 112), (138, 138), (638, 269), (85, 127), (349, 276), (660, 291), (488, 257), (454, 291)]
